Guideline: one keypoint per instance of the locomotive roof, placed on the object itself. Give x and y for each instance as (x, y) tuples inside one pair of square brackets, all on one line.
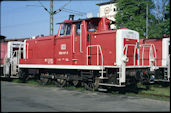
[(79, 20), (106, 3)]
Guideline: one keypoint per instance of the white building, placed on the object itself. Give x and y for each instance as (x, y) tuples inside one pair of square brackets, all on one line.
[(109, 10)]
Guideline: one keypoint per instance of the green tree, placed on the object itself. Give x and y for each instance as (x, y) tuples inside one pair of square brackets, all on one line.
[(132, 14), (161, 23), (166, 23)]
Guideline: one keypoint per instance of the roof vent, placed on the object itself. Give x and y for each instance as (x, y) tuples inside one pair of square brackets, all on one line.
[(71, 17)]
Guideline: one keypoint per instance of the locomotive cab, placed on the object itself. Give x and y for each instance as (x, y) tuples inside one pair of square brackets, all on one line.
[(80, 33)]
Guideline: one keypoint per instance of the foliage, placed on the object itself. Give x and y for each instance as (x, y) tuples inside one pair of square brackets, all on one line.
[(161, 23), (166, 22), (132, 14)]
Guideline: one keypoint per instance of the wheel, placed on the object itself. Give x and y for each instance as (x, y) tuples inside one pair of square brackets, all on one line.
[(96, 84), (9, 79), (61, 82), (76, 83), (89, 86), (122, 90), (44, 81), (23, 76), (92, 86)]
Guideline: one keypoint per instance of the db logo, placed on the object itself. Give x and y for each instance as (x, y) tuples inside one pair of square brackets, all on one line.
[(106, 10)]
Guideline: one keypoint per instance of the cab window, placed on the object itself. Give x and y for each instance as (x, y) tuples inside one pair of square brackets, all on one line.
[(92, 25), (78, 29), (65, 29)]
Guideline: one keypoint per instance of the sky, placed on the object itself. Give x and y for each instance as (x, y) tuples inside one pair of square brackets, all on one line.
[(18, 20)]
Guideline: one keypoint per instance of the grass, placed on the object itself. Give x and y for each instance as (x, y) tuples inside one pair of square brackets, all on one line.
[(155, 91), (149, 96), (33, 82), (16, 81), (158, 91), (75, 88)]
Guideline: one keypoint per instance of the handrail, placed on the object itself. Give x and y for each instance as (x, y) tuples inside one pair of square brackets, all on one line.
[(152, 46), (19, 54), (73, 43), (148, 45), (27, 44), (101, 53), (102, 60), (143, 56), (126, 47), (135, 48), (155, 53), (81, 38)]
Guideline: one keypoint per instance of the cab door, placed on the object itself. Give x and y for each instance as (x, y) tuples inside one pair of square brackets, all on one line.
[(77, 43), (131, 51), (63, 45)]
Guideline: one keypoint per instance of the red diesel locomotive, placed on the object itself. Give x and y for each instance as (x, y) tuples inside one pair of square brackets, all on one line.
[(87, 51), (84, 51), (155, 52)]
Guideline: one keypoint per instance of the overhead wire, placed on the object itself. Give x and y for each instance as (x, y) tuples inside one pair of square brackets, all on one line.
[(44, 7), (61, 8), (74, 12)]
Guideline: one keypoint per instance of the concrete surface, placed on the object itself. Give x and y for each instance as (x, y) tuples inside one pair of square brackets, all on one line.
[(18, 97)]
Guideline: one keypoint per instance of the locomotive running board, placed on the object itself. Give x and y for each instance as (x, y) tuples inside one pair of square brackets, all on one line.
[(89, 67), (105, 84)]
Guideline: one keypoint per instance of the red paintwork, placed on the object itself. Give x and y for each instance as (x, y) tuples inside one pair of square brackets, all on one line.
[(130, 51), (107, 40), (58, 50), (158, 46), (3, 52)]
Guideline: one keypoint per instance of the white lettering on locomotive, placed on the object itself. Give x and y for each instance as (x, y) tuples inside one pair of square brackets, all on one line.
[(49, 60), (63, 52)]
